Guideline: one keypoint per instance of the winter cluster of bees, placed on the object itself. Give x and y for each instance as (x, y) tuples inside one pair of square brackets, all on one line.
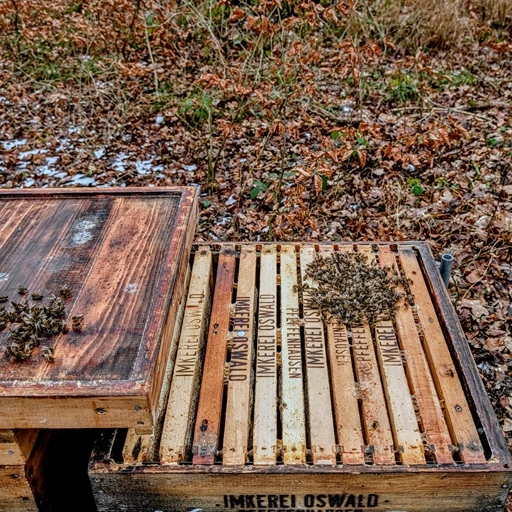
[(31, 323)]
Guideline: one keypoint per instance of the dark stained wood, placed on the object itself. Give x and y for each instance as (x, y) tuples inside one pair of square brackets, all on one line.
[(124, 254), (209, 409)]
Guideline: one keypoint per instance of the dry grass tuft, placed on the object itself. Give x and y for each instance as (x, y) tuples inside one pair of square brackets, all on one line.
[(426, 23)]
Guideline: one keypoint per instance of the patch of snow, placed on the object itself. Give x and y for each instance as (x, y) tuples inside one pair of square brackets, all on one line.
[(230, 201), (75, 129), (99, 153), (189, 168), (83, 232), (11, 144), (119, 164), (347, 109), (25, 154), (159, 119), (63, 144), (80, 179), (29, 182)]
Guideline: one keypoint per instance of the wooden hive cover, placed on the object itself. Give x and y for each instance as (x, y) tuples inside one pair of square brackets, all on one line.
[(271, 408), (123, 253)]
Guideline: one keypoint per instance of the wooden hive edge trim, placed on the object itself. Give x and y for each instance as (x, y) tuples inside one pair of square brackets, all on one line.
[(102, 466), (463, 358)]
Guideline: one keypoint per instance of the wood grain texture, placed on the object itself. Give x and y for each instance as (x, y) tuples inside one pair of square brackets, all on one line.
[(321, 426), (375, 415), (292, 404), (265, 394), (185, 384), (307, 489), (123, 255), (396, 388), (16, 446), (209, 409), (241, 378), (458, 414), (429, 408), (387, 485), (344, 390), (15, 491)]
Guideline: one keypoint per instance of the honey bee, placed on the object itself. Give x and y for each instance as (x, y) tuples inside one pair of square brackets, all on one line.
[(47, 353), (65, 292), (37, 296), (22, 290), (77, 322), (3, 298)]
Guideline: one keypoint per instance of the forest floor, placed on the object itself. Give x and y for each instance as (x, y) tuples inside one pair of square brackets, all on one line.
[(303, 120)]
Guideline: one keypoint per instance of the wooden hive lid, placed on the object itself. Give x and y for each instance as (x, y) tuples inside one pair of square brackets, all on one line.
[(123, 253)]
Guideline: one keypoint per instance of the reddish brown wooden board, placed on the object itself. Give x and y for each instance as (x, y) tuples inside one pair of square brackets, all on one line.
[(123, 253)]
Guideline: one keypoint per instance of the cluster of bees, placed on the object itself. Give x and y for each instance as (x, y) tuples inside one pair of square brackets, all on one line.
[(31, 323), (350, 290)]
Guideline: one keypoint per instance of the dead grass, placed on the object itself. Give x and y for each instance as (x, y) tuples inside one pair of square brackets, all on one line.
[(413, 24)]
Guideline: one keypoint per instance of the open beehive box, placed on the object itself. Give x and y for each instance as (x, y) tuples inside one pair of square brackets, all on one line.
[(272, 408), (121, 256)]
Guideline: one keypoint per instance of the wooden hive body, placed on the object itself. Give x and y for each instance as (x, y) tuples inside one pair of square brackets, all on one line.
[(270, 408), (123, 254)]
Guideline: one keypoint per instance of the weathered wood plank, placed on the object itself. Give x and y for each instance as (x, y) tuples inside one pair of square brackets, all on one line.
[(458, 414), (240, 379), (176, 432), (209, 410), (124, 257), (321, 427), (396, 388), (265, 397), (423, 491), (292, 391), (431, 415), (16, 446), (375, 415), (344, 390)]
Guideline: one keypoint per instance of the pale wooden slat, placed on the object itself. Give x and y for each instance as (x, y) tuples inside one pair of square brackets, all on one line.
[(375, 416), (431, 414), (208, 418), (265, 395), (292, 392), (458, 414), (403, 416), (344, 391), (185, 382), (321, 427), (238, 405), (396, 388)]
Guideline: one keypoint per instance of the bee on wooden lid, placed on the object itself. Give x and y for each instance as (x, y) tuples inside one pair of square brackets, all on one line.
[(77, 322), (65, 292), (37, 296), (3, 298), (22, 290), (47, 353)]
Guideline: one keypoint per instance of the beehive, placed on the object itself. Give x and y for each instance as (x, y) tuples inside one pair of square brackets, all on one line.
[(272, 409), (122, 254)]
